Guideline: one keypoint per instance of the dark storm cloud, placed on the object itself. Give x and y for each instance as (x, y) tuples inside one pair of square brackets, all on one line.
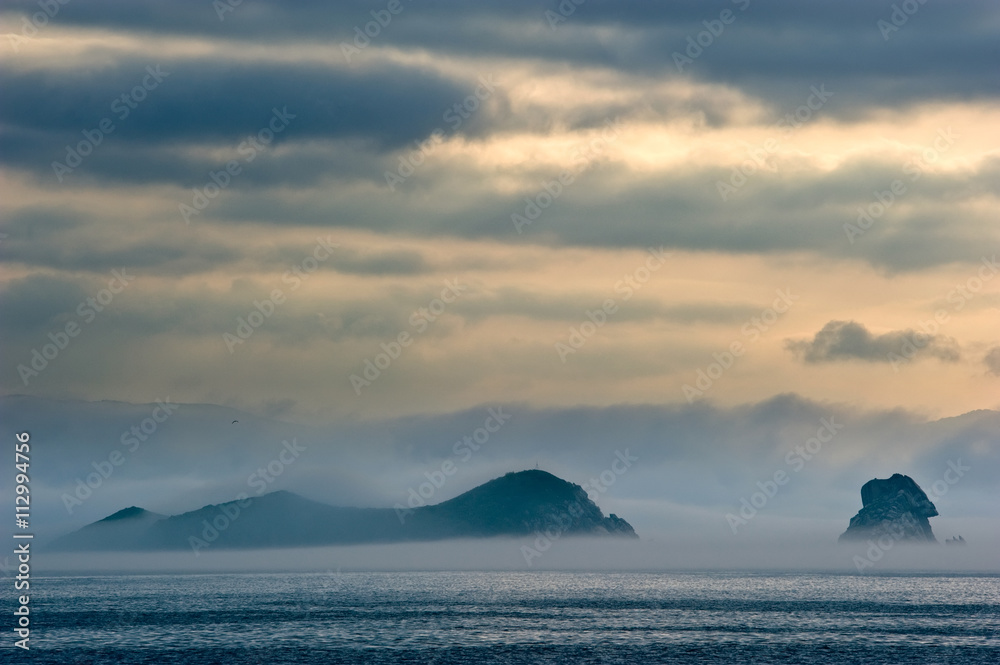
[(197, 100), (353, 121), (303, 163), (849, 340), (211, 102), (772, 49)]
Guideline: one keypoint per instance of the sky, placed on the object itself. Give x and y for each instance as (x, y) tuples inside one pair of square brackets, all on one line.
[(688, 229)]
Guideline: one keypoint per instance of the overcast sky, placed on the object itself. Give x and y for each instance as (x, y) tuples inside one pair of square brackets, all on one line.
[(692, 228)]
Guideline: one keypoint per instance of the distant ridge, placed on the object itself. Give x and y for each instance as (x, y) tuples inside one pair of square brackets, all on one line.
[(120, 530), (516, 504), (131, 512)]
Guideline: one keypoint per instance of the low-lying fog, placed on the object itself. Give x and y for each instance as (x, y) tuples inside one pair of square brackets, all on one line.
[(805, 553)]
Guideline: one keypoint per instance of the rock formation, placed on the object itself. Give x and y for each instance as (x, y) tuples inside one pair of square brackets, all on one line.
[(895, 507)]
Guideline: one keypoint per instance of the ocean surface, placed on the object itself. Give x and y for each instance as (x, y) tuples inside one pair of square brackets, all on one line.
[(505, 617)]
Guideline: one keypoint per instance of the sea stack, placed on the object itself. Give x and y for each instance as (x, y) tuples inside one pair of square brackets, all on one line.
[(895, 507)]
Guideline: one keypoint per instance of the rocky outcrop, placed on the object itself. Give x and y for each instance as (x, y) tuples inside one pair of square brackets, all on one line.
[(895, 507)]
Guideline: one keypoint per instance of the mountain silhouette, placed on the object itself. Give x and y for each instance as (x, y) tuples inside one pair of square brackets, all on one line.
[(516, 504), (122, 530)]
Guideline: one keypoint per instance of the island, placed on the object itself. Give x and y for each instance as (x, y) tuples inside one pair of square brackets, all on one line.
[(895, 507), (516, 504)]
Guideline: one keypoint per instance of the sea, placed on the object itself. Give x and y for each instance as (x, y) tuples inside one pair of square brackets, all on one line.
[(511, 617)]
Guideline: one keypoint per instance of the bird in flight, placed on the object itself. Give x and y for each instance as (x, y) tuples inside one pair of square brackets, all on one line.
[(235, 421)]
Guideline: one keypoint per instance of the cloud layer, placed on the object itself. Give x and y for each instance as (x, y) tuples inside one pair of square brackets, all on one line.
[(329, 213)]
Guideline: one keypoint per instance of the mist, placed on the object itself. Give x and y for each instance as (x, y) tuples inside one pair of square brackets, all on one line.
[(567, 554), (695, 467)]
